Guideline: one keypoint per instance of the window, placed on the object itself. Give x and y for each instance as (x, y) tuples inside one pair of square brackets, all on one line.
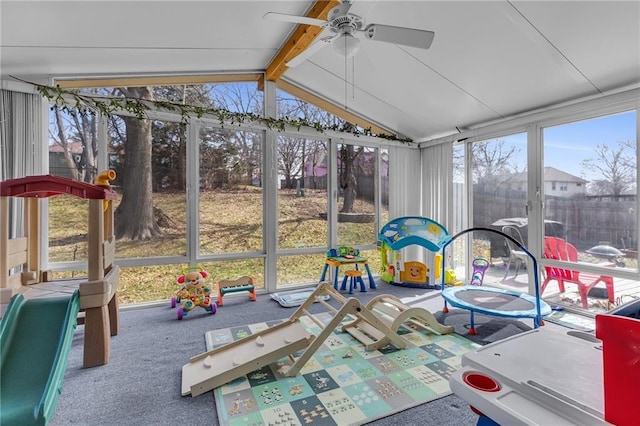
[(499, 174), (230, 212), (595, 215), (302, 192), (150, 217), (305, 174)]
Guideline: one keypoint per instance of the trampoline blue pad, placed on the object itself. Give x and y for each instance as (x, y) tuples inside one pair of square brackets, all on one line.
[(494, 301)]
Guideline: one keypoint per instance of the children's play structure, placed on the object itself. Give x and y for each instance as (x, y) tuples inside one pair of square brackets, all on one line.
[(194, 292), (21, 272), (373, 325), (491, 300), (244, 283), (394, 241)]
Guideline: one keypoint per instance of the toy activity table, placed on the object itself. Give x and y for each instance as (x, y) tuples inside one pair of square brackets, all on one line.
[(337, 261), (545, 376)]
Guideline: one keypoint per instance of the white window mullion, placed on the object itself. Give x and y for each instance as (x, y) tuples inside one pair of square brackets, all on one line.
[(270, 193), (193, 192)]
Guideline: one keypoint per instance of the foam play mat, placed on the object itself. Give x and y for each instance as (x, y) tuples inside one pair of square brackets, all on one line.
[(343, 383)]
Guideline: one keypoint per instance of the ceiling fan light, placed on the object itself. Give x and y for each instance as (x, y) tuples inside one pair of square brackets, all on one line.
[(346, 45)]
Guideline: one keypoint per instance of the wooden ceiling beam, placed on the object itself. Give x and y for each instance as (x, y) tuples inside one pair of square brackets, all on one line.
[(301, 38), (156, 80), (348, 116)]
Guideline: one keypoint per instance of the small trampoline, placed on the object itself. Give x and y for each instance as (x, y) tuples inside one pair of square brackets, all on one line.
[(496, 301)]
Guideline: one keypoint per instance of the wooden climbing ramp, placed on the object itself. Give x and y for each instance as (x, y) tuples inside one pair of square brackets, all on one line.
[(216, 367), (394, 313)]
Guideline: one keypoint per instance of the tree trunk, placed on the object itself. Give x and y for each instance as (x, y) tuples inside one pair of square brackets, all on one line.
[(66, 150), (348, 181), (88, 134), (134, 217)]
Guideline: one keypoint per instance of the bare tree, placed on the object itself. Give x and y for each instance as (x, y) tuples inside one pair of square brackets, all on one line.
[(615, 167), (73, 127), (291, 155), (347, 175), (246, 163), (294, 149), (490, 159)]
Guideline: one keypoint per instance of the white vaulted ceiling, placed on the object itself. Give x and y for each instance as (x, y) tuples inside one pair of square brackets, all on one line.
[(489, 59)]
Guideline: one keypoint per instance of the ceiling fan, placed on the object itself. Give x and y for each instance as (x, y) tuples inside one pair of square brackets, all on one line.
[(343, 26)]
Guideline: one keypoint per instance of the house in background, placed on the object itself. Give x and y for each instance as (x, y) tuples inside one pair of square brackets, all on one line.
[(556, 183), (562, 184), (57, 164)]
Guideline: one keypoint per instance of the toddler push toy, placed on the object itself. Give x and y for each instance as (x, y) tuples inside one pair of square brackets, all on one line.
[(194, 292)]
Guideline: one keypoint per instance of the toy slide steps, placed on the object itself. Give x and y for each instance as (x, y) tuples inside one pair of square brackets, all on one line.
[(394, 313), (221, 365), (35, 339), (214, 368)]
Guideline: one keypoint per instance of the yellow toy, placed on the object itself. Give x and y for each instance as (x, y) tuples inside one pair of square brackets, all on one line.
[(194, 292)]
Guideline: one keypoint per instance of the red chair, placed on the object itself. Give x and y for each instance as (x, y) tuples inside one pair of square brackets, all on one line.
[(559, 249)]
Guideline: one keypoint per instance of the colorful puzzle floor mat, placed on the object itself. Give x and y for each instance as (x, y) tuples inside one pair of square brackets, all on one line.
[(343, 383)]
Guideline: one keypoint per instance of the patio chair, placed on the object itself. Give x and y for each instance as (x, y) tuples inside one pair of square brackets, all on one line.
[(516, 256), (559, 249)]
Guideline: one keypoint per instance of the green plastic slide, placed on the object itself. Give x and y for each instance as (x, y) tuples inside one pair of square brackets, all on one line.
[(35, 339)]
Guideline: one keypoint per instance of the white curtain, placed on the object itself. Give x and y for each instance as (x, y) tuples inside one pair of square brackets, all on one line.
[(437, 183), (21, 142), (404, 181), (21, 130)]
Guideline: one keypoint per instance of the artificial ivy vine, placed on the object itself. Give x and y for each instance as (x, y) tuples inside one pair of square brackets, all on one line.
[(108, 106)]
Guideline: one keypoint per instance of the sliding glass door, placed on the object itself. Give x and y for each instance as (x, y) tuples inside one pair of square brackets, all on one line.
[(591, 210)]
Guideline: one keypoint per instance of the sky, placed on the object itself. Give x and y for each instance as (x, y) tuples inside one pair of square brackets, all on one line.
[(567, 145)]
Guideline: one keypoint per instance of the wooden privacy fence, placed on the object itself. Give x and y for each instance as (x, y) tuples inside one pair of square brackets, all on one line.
[(588, 221)]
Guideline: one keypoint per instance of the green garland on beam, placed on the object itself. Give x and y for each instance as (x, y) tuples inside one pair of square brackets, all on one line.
[(68, 100)]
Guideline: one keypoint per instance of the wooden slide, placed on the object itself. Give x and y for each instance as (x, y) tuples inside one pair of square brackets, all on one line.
[(214, 368)]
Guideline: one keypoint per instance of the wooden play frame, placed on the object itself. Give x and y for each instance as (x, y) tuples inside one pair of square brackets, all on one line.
[(218, 366), (394, 313), (20, 256)]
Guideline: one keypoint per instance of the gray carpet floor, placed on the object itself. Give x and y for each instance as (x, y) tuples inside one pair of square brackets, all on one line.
[(141, 383)]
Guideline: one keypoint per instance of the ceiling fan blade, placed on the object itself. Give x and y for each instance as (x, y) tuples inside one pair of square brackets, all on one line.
[(283, 17), (399, 35), (311, 50)]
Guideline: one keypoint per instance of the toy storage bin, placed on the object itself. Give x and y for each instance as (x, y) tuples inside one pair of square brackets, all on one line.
[(620, 337)]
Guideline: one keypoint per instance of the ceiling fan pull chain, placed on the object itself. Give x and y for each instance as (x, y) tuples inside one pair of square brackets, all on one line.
[(345, 83), (353, 77)]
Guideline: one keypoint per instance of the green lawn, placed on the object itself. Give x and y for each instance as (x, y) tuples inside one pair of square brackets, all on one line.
[(230, 222)]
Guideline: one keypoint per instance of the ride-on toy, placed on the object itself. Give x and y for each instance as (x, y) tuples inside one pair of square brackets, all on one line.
[(194, 292)]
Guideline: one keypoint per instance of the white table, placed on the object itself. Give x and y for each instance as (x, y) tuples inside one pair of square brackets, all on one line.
[(547, 376)]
